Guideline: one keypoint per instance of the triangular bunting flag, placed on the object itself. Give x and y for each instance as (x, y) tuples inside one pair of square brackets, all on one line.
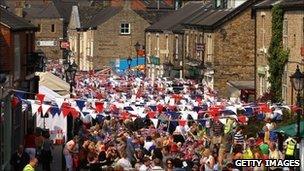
[(40, 97), (65, 111), (59, 102), (155, 122), (45, 109), (54, 111), (182, 122), (35, 108), (99, 106), (80, 104)]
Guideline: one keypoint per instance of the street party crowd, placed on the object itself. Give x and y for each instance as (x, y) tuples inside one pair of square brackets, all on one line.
[(163, 136), (162, 124)]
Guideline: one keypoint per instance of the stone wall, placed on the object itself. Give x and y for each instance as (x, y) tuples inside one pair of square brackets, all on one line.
[(293, 41), (263, 38), (234, 51), (110, 45), (46, 34)]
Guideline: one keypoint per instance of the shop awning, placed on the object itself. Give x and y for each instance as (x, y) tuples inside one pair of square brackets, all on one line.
[(242, 85), (290, 130)]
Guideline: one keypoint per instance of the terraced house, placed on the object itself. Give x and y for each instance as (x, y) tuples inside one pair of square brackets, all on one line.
[(100, 37), (17, 72), (51, 18), (293, 40), (210, 40)]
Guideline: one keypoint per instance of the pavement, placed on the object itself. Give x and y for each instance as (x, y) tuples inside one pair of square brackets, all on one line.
[(56, 165)]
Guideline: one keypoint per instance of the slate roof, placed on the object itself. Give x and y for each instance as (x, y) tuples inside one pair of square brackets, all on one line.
[(64, 8), (86, 13), (152, 16), (267, 4), (14, 22), (37, 11), (173, 21), (102, 16), (211, 18), (153, 4)]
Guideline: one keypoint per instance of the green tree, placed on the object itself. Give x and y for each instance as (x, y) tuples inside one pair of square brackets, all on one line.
[(277, 55)]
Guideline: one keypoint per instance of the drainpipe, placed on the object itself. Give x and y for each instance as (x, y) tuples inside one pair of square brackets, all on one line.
[(78, 49), (183, 54), (255, 56)]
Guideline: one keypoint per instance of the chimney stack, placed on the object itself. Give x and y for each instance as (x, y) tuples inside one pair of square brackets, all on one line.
[(19, 8), (127, 4)]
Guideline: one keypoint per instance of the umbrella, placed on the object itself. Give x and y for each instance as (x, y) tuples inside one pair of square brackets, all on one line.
[(290, 130)]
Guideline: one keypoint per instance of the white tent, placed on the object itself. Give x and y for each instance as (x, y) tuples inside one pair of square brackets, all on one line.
[(54, 83), (54, 89), (49, 94)]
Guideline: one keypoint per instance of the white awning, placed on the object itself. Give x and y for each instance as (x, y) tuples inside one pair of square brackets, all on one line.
[(54, 83)]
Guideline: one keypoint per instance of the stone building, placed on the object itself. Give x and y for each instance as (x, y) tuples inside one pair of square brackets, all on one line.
[(51, 18), (165, 41), (228, 33), (293, 40), (17, 72), (100, 37), (210, 38)]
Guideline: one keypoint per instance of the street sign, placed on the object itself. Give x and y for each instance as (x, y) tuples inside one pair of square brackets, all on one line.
[(200, 47), (64, 45)]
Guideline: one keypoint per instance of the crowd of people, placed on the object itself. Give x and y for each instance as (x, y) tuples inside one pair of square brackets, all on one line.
[(118, 140), (37, 148)]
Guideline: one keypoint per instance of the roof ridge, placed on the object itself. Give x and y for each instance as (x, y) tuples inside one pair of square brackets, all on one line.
[(20, 19)]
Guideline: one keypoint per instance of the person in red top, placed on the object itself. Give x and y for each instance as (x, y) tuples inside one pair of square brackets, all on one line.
[(29, 143)]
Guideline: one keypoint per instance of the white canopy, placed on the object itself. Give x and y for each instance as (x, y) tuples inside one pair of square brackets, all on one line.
[(54, 83)]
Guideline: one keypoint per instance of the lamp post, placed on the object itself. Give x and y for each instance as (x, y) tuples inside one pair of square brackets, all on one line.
[(201, 69), (129, 60), (297, 81), (71, 69), (70, 75), (2, 81), (137, 48), (170, 67)]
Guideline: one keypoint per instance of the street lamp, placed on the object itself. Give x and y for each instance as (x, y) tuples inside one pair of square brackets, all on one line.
[(297, 81), (137, 48), (170, 67), (70, 75), (70, 78), (201, 69), (129, 60)]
